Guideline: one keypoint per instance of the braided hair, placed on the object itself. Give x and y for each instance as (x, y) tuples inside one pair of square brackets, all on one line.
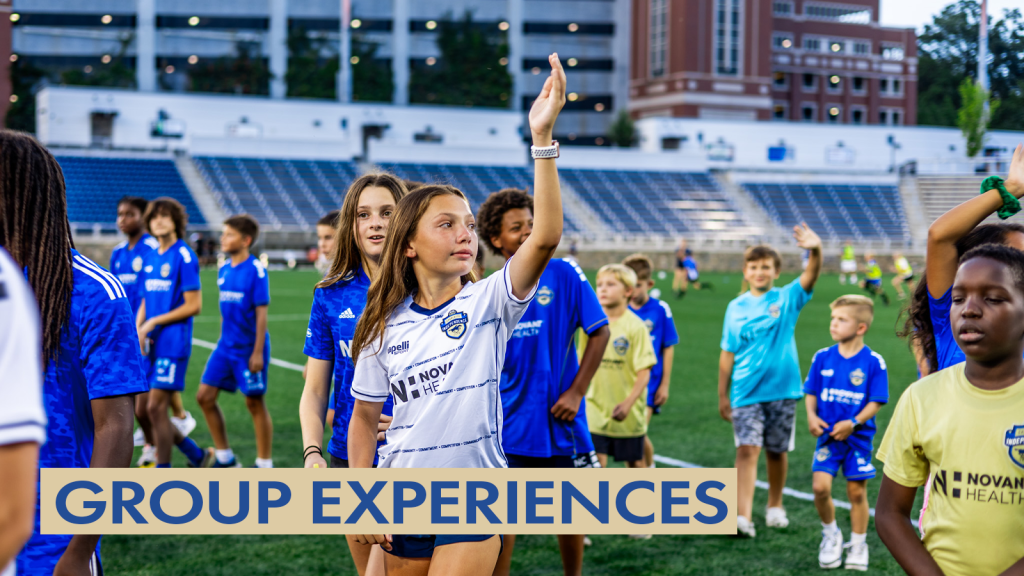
[(34, 228)]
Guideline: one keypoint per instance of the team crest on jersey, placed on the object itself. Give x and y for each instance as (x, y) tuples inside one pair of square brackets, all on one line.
[(857, 377), (822, 454), (621, 345), (165, 270), (774, 311), (545, 295), (1015, 443), (454, 324), (137, 264)]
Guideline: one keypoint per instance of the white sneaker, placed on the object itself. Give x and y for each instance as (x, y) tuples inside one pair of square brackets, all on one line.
[(830, 551), (587, 541), (148, 458), (641, 536), (857, 556), (776, 518), (745, 527), (139, 437), (184, 425)]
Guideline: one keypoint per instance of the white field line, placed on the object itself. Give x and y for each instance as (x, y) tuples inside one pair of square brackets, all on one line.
[(270, 318), (657, 457)]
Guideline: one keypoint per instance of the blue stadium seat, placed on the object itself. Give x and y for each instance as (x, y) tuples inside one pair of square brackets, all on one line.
[(94, 186)]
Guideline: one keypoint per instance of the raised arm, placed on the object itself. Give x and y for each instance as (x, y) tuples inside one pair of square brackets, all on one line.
[(809, 240), (533, 256), (941, 258)]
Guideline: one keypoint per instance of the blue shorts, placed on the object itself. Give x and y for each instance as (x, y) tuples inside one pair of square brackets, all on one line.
[(515, 461), (228, 370), (167, 373), (873, 283), (652, 388), (856, 463), (422, 545)]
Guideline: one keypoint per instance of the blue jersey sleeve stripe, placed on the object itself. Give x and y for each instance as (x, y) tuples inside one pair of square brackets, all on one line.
[(596, 325), (110, 277), (95, 277)]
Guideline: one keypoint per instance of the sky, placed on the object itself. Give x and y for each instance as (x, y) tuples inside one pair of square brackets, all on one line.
[(917, 13)]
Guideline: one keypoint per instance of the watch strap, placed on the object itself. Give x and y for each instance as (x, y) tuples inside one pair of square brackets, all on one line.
[(545, 152)]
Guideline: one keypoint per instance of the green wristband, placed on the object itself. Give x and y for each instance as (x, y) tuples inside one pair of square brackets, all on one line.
[(1010, 204)]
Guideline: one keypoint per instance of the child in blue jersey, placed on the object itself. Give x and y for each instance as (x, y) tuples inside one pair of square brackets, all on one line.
[(759, 363), (338, 302), (242, 356), (657, 316), (542, 385), (92, 369), (170, 276), (846, 386)]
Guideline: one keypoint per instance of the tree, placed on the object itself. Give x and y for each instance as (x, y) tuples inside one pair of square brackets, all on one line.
[(948, 53), (242, 74), (621, 132), (114, 74), (312, 66), (371, 76), (25, 77), (469, 73), (972, 118)]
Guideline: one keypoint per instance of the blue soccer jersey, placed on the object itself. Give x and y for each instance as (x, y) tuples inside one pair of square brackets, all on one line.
[(332, 325), (657, 316), (540, 364), (759, 331), (127, 262), (243, 288), (844, 386), (946, 349), (98, 358), (166, 278)]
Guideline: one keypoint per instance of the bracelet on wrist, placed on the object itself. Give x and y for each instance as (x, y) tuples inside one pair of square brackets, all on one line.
[(1010, 203), (312, 449)]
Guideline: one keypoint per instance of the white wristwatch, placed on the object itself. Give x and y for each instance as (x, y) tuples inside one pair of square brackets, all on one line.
[(544, 152)]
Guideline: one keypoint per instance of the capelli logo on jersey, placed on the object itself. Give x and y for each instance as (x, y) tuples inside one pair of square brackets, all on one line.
[(827, 372), (545, 295), (399, 349), (454, 324), (1015, 443)]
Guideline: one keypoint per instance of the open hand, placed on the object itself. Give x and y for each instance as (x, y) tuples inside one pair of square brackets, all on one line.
[(806, 238), (548, 104), (1015, 177)]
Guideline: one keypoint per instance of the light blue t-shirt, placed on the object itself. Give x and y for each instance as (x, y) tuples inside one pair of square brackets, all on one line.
[(759, 331)]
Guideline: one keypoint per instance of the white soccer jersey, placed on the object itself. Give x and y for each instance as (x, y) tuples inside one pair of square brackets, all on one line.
[(22, 417), (442, 367)]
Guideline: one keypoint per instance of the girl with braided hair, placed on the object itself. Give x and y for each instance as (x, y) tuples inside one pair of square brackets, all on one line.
[(92, 363)]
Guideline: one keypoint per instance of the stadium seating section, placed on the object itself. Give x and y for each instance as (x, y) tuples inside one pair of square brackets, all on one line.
[(860, 212), (940, 193), (94, 186)]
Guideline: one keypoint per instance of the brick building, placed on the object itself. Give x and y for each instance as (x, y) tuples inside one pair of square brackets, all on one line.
[(797, 60)]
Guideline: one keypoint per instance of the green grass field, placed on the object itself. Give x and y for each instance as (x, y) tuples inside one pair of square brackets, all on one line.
[(688, 429)]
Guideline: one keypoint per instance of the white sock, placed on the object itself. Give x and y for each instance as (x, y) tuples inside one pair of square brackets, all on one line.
[(830, 527), (224, 456), (858, 538), (653, 465), (264, 462)]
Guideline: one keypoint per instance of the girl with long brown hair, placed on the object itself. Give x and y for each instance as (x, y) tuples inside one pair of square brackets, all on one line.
[(338, 302), (434, 342)]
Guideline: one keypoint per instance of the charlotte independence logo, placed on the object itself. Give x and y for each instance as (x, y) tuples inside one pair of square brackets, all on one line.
[(774, 311), (454, 324), (1015, 444), (545, 295), (165, 270), (621, 345), (137, 264), (857, 377), (822, 454)]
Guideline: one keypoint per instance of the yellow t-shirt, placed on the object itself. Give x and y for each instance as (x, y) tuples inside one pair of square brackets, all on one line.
[(903, 267), (629, 351), (972, 441)]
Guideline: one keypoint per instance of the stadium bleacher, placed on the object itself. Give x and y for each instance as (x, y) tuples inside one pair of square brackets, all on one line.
[(861, 212), (940, 193), (94, 186)]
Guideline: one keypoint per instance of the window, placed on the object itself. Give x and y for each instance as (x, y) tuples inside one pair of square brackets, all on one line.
[(779, 79), (807, 113), (782, 41), (837, 46), (895, 86), (837, 13), (659, 37), (862, 48), (834, 114), (779, 112), (883, 117), (835, 83), (883, 85), (895, 118), (892, 52), (781, 8), (812, 44), (727, 37), (858, 84), (808, 81), (857, 116)]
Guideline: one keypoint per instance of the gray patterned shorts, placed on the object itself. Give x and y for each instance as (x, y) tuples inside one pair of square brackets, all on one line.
[(768, 424)]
